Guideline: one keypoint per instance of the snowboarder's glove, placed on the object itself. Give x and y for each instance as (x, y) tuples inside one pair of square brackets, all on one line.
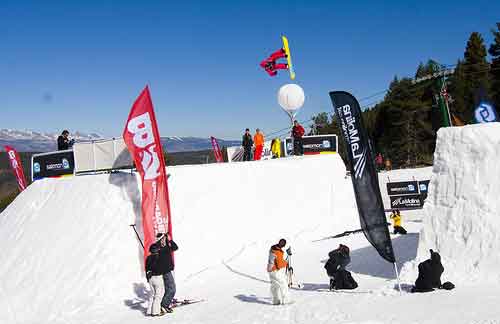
[(289, 251), (149, 274)]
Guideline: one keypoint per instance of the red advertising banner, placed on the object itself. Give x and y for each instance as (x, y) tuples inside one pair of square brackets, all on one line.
[(17, 167), (217, 151), (143, 142)]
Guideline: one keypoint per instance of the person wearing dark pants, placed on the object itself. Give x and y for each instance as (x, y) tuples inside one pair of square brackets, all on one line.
[(167, 246), (247, 144), (297, 133)]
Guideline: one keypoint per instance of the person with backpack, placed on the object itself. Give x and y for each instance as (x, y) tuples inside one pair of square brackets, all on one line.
[(338, 260), (276, 267), (297, 133), (396, 218), (247, 144), (166, 266), (155, 280)]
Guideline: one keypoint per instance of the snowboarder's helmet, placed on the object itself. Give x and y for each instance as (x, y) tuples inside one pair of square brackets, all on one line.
[(282, 243)]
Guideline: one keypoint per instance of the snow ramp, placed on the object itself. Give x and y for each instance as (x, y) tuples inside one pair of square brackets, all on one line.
[(461, 214), (68, 250)]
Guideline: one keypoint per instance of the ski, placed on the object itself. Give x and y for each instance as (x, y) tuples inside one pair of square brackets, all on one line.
[(183, 302), (288, 57), (347, 233)]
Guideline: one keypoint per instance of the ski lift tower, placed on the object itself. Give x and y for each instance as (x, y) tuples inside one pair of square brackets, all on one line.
[(442, 98)]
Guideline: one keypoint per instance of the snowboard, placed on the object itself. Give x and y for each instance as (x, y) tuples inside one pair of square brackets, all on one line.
[(288, 57), (183, 302)]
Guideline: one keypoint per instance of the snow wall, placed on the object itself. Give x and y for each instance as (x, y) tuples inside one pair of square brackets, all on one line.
[(461, 214), (68, 248)]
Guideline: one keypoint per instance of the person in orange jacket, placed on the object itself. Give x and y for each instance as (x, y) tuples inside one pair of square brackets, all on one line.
[(276, 267), (258, 141)]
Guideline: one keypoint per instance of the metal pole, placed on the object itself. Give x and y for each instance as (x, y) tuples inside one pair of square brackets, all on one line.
[(397, 276), (133, 226)]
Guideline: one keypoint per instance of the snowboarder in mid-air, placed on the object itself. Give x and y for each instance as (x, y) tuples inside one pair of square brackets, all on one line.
[(270, 64)]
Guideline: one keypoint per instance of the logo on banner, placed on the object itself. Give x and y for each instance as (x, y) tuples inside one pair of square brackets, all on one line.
[(143, 138), (411, 187), (485, 113), (36, 167), (326, 144), (65, 164), (423, 187), (352, 134), (401, 201)]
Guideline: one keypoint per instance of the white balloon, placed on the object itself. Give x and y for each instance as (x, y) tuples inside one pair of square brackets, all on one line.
[(291, 97)]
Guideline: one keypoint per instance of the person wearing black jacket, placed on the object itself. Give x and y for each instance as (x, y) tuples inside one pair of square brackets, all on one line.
[(338, 260), (63, 142), (155, 279), (166, 266), (247, 143)]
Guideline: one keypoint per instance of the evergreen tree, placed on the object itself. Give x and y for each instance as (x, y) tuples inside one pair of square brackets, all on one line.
[(494, 51), (476, 74)]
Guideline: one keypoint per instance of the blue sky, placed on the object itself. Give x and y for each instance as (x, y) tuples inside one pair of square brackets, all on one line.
[(80, 64)]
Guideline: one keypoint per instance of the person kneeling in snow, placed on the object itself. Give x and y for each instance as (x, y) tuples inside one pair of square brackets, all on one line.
[(340, 278), (429, 275), (396, 218), (276, 267), (155, 279)]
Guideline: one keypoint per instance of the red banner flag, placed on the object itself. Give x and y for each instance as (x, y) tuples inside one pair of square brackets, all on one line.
[(17, 167), (217, 151), (143, 141)]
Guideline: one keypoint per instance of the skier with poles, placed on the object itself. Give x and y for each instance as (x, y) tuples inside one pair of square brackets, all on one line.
[(276, 267)]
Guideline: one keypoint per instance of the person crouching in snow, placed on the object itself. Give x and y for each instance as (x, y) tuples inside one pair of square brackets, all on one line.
[(396, 218), (276, 267), (155, 279), (340, 278)]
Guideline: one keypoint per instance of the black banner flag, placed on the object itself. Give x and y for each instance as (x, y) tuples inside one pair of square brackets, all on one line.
[(363, 175)]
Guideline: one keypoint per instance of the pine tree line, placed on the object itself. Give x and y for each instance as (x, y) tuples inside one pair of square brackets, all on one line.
[(403, 125)]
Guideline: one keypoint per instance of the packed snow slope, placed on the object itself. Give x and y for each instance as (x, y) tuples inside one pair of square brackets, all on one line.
[(462, 219), (69, 254), (67, 246)]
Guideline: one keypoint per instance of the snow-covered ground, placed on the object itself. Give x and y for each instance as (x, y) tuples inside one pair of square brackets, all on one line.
[(69, 255)]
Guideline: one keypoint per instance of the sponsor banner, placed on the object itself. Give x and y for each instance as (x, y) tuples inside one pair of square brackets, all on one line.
[(363, 174), (217, 151), (235, 153), (402, 188), (17, 167), (143, 142), (314, 144), (406, 202), (52, 164)]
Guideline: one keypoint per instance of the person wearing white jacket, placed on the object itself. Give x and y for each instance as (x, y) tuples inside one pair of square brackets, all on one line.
[(276, 267)]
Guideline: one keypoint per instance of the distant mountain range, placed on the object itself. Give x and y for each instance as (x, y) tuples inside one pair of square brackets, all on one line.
[(32, 141)]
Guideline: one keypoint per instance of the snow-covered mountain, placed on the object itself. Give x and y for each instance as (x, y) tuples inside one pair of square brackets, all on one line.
[(33, 141)]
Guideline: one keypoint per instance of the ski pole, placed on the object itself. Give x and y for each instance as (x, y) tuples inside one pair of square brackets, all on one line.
[(137, 234)]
